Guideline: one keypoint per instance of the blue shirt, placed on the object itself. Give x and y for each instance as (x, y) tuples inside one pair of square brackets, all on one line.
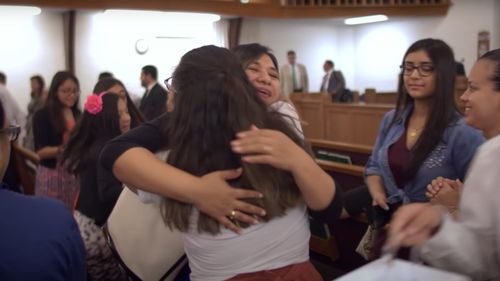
[(39, 240), (449, 159)]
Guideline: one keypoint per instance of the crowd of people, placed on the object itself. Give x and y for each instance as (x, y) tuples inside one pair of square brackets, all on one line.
[(239, 173)]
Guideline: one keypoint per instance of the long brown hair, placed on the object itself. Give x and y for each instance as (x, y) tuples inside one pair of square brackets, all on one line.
[(213, 101)]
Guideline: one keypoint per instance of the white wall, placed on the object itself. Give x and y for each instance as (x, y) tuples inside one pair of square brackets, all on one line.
[(496, 34), (107, 43), (370, 55), (314, 41), (30, 45)]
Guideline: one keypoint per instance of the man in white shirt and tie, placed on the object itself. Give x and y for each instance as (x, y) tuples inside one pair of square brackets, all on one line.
[(293, 76), (333, 82)]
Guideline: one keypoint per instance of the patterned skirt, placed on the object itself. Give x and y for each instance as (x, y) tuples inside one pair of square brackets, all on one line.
[(101, 264), (58, 184)]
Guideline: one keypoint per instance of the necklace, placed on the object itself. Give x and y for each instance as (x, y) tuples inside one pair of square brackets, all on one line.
[(413, 132)]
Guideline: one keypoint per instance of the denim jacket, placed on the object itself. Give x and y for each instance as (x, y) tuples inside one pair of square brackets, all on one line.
[(449, 159)]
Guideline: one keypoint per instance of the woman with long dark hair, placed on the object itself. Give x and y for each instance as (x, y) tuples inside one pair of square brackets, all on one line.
[(52, 126), (469, 245), (214, 122), (423, 138), (114, 85), (105, 117)]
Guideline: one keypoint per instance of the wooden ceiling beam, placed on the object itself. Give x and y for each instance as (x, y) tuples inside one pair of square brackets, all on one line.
[(256, 8)]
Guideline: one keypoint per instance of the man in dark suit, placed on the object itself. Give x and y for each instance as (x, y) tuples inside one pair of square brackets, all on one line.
[(333, 82), (154, 100)]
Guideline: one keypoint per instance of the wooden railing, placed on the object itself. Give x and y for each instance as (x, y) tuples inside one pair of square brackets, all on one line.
[(363, 3)]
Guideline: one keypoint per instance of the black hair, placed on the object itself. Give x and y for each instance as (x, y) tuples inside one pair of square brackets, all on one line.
[(90, 134), (105, 84), (3, 78), (443, 108), (494, 56), (104, 75), (150, 70), (53, 103), (248, 53)]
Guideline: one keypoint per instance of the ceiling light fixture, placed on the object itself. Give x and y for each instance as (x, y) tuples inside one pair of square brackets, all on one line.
[(367, 19), (19, 10)]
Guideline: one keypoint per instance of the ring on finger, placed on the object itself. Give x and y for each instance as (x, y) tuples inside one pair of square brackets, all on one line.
[(232, 216)]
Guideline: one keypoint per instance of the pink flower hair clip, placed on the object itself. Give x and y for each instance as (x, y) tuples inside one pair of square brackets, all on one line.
[(93, 104)]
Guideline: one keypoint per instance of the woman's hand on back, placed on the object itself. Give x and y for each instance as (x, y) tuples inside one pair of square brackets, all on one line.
[(223, 202), (264, 146)]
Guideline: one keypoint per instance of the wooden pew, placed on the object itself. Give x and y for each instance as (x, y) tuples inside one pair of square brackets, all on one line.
[(344, 234), (26, 162), (358, 153), (355, 123), (372, 96)]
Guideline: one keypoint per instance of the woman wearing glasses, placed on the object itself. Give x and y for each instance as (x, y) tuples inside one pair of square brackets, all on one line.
[(424, 136), (52, 126)]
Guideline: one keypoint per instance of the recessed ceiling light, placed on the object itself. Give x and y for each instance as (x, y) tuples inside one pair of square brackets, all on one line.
[(367, 19)]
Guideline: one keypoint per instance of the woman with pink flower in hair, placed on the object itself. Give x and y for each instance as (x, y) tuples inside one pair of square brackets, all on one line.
[(52, 126), (106, 116)]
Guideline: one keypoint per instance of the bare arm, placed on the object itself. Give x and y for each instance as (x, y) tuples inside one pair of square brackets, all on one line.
[(48, 152), (210, 194)]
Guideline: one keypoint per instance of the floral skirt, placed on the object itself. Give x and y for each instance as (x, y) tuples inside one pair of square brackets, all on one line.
[(58, 184), (101, 264)]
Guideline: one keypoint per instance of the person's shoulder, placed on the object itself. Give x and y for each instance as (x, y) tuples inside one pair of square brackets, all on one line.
[(389, 115), (460, 127), (492, 146), (283, 107)]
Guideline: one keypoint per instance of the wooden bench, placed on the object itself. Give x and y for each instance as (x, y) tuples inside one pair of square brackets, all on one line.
[(26, 162), (359, 153), (344, 234)]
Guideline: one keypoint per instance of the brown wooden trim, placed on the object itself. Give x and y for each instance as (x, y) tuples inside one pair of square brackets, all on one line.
[(256, 8), (69, 21), (353, 170), (234, 32), (359, 148)]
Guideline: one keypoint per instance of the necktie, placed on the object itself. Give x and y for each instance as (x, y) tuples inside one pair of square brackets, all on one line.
[(294, 78), (324, 85)]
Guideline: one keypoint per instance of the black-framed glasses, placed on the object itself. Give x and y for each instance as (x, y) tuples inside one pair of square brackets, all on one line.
[(12, 132), (424, 69), (168, 84)]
